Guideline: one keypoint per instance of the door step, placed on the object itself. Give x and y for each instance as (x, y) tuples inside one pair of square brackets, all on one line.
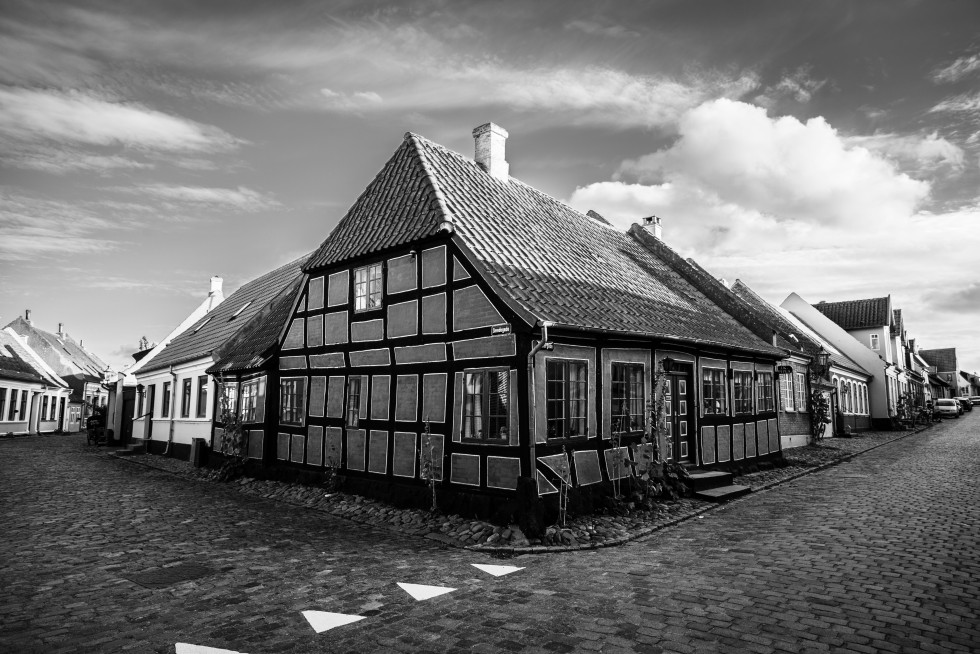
[(704, 479), (135, 448), (722, 493)]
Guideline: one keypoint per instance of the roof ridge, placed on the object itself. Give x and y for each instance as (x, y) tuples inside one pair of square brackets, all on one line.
[(415, 139)]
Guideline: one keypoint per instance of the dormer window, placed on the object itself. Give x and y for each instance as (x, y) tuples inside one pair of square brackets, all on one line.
[(242, 308), (367, 287), (874, 341)]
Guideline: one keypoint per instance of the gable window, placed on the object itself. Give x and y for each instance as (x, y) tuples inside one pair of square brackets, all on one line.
[(786, 392), (874, 341), (185, 399), (367, 287), (292, 401), (567, 398), (763, 392), (202, 396), (165, 410), (713, 394), (627, 408), (742, 391), (486, 398), (353, 401), (800, 392)]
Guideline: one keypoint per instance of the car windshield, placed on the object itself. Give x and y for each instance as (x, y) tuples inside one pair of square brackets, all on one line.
[(945, 402)]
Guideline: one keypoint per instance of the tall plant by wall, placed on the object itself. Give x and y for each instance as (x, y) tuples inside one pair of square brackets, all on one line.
[(819, 415), (231, 443), (427, 464)]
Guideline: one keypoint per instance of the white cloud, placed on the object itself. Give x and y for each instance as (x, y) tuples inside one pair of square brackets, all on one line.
[(968, 103), (241, 198), (922, 153), (954, 72), (798, 85), (62, 160), (32, 227), (355, 101), (31, 115), (596, 28)]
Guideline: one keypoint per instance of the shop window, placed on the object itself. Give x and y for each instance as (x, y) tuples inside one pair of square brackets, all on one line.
[(628, 398), (367, 287), (763, 392), (713, 396), (742, 391), (292, 401), (567, 398), (486, 402)]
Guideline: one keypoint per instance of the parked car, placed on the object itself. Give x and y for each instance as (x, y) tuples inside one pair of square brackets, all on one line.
[(965, 403), (948, 407), (975, 400)]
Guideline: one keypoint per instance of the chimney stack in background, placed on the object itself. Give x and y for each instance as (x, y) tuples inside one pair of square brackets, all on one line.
[(653, 227), (61, 329), (27, 315), (490, 142), (215, 285)]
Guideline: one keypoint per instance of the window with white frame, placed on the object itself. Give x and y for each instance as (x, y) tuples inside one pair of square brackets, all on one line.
[(367, 287), (874, 341), (627, 398), (714, 398), (229, 400), (801, 403), (566, 398), (3, 401), (486, 404), (185, 399), (165, 409), (786, 392), (742, 391), (763, 392), (253, 400), (292, 401), (202, 396)]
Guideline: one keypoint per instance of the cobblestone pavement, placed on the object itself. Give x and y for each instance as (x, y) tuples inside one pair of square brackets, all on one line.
[(881, 553)]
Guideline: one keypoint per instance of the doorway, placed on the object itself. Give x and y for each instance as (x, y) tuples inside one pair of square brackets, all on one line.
[(679, 405)]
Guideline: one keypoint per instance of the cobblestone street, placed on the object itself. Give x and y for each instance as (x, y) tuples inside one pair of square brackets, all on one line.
[(881, 553)]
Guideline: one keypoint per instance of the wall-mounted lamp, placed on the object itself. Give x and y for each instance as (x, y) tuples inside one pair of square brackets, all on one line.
[(667, 364)]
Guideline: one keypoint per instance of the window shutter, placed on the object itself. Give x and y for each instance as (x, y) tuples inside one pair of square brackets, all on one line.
[(362, 412), (458, 408)]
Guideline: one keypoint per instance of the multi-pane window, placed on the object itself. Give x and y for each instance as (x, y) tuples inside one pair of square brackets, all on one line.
[(13, 404), (292, 400), (353, 401), (874, 341), (3, 401), (801, 403), (786, 392), (165, 409), (763, 392), (185, 399), (202, 396), (567, 398), (23, 405), (44, 408), (367, 287), (486, 400), (253, 395), (627, 396), (742, 391), (229, 401), (713, 391)]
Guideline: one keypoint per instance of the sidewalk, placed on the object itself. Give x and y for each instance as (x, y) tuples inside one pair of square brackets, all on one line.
[(579, 533)]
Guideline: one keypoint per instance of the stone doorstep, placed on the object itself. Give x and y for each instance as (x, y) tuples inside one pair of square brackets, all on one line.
[(723, 493), (705, 479)]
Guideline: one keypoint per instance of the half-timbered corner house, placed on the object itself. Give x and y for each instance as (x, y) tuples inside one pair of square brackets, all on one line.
[(456, 312)]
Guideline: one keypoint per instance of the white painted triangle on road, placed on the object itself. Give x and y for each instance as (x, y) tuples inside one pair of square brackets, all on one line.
[(322, 620), (421, 592), (184, 648), (496, 570)]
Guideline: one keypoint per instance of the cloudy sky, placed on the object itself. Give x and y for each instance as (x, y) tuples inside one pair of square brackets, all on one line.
[(826, 148)]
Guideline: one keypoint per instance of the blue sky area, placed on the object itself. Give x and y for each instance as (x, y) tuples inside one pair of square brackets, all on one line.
[(826, 148)]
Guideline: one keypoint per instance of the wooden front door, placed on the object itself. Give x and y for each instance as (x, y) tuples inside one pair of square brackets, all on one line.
[(679, 407)]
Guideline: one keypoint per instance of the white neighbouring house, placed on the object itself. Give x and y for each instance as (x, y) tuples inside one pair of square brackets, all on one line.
[(176, 399), (33, 399)]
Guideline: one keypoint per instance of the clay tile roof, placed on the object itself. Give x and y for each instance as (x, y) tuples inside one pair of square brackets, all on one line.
[(216, 327), (944, 359), (14, 364), (553, 262), (257, 339), (858, 314)]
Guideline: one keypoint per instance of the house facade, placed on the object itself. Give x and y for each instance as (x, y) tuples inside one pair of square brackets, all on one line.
[(461, 327), (947, 369)]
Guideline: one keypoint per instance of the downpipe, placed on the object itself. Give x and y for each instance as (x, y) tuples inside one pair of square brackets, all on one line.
[(173, 410), (543, 344)]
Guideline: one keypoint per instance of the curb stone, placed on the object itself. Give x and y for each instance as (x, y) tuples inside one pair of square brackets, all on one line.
[(424, 531)]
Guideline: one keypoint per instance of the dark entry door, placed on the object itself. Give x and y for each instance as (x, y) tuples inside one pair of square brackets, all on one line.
[(679, 407)]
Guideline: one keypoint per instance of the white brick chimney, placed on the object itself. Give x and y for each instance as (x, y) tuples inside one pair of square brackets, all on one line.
[(216, 283), (490, 141), (652, 225)]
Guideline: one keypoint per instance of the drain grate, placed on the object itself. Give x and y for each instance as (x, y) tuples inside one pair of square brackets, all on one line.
[(175, 574)]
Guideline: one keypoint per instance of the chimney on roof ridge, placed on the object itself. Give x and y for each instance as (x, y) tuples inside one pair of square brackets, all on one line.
[(27, 316), (215, 285), (490, 144), (61, 329), (653, 227)]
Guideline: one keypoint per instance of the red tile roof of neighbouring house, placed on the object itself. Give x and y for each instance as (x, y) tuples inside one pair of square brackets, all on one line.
[(944, 358), (257, 340), (220, 324), (554, 263), (858, 314)]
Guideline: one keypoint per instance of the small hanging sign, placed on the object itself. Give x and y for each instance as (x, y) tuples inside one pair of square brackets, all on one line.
[(500, 329)]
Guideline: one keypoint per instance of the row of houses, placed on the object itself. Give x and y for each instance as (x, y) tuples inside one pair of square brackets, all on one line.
[(461, 327), (48, 381)]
